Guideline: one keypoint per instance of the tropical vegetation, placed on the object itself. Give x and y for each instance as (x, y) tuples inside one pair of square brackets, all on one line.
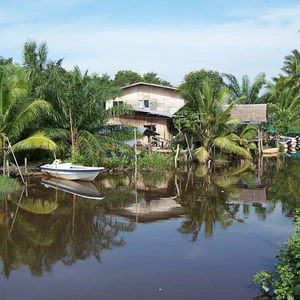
[(44, 106), (284, 281), (207, 121), (250, 92), (8, 185)]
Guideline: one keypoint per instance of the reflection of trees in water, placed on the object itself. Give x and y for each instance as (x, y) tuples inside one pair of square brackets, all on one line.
[(286, 186), (75, 230), (205, 199)]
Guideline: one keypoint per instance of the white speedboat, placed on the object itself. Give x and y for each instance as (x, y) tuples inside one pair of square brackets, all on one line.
[(70, 171), (79, 188)]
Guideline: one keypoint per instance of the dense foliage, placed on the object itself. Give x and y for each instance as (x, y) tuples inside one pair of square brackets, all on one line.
[(207, 122), (284, 281), (44, 106), (250, 92)]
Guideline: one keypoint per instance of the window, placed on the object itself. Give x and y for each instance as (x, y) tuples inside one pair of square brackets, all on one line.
[(151, 127), (144, 104), (116, 103)]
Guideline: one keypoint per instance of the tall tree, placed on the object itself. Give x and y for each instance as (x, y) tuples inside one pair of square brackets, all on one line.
[(126, 77), (19, 111), (251, 92), (152, 77), (291, 68), (194, 81), (80, 114), (210, 123), (41, 72), (284, 108)]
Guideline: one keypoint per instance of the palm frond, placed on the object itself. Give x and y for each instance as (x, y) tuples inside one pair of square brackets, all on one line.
[(201, 154), (90, 147), (226, 144), (38, 140), (33, 111)]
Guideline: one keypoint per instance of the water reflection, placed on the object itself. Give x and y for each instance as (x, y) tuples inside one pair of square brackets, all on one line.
[(42, 226), (83, 189), (47, 226)]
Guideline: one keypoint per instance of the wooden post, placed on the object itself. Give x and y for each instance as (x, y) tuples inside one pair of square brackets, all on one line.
[(135, 158), (3, 154), (176, 156), (4, 159), (25, 165), (7, 167), (260, 144)]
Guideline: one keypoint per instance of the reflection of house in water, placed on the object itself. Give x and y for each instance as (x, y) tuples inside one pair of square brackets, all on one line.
[(256, 195), (155, 210), (163, 186)]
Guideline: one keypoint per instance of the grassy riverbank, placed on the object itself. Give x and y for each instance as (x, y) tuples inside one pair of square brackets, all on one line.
[(8, 185)]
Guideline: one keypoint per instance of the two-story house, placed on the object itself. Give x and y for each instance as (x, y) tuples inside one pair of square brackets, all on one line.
[(153, 105)]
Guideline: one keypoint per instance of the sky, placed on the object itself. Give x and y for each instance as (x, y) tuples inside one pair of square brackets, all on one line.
[(170, 38)]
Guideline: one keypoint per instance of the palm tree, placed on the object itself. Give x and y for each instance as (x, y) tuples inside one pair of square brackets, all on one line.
[(78, 102), (291, 68), (284, 107), (18, 111), (210, 122), (80, 115), (250, 92)]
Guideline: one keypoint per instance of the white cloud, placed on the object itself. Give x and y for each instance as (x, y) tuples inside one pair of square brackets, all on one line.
[(285, 14), (242, 47)]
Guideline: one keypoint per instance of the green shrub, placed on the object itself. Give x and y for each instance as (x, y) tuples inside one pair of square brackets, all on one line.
[(116, 162), (155, 160), (9, 185), (284, 281), (77, 160)]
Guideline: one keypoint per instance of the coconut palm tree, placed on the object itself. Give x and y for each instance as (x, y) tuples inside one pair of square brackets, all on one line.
[(78, 102), (209, 121), (284, 107), (19, 111), (81, 116), (246, 89), (291, 68)]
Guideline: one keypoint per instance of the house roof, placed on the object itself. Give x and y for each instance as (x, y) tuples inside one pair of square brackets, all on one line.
[(149, 84), (155, 112), (256, 113)]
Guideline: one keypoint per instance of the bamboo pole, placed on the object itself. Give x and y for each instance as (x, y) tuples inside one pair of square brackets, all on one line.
[(4, 159), (25, 165), (7, 168), (176, 156), (188, 146), (15, 159), (72, 134), (13, 154), (135, 181)]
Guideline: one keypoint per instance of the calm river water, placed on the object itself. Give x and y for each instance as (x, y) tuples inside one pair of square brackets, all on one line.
[(192, 234)]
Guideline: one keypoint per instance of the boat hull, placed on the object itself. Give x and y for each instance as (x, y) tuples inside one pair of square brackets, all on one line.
[(71, 172), (271, 151)]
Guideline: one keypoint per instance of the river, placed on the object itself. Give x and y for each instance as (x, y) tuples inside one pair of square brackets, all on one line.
[(194, 234)]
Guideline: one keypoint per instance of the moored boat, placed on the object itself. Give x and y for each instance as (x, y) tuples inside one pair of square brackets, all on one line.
[(270, 151), (70, 171), (288, 141)]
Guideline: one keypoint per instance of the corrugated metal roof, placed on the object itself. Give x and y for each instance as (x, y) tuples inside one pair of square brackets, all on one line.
[(155, 112), (150, 84)]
